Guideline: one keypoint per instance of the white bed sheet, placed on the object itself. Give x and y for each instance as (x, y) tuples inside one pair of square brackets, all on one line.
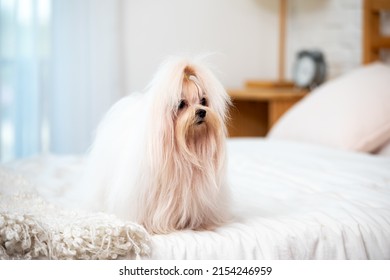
[(291, 201)]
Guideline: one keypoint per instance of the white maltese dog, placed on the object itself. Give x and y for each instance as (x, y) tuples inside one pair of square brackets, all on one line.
[(159, 158)]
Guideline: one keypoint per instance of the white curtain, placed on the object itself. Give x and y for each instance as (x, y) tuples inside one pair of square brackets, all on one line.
[(24, 51), (60, 70)]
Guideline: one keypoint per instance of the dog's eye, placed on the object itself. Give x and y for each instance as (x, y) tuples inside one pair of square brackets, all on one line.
[(203, 102), (182, 104)]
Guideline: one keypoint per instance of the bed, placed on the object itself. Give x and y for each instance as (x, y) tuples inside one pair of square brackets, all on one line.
[(318, 187), (290, 201)]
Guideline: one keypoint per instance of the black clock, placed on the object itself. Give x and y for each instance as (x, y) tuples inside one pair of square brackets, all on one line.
[(309, 69)]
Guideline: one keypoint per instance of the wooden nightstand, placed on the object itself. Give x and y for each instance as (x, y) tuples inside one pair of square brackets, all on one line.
[(256, 108)]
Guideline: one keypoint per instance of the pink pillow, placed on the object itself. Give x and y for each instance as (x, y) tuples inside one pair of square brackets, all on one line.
[(384, 150), (351, 112)]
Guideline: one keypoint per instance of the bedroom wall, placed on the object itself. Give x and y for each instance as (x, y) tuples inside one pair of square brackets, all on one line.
[(332, 26), (243, 33)]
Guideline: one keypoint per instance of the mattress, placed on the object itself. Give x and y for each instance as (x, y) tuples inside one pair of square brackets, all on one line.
[(290, 201)]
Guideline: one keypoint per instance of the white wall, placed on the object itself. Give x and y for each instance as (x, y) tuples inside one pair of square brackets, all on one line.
[(243, 33), (333, 26)]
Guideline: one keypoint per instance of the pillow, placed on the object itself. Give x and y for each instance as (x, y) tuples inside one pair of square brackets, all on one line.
[(384, 150), (351, 112)]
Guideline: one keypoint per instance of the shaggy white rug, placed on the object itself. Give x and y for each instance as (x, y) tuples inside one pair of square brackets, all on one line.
[(32, 228)]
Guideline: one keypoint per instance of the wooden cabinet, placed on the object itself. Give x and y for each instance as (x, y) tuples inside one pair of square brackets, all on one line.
[(256, 108)]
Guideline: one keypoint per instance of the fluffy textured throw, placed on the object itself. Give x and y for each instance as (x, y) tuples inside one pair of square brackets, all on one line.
[(32, 228)]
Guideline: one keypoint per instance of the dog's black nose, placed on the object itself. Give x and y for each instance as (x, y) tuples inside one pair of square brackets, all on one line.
[(201, 113)]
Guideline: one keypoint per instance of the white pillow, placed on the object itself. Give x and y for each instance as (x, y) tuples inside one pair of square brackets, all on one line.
[(351, 112)]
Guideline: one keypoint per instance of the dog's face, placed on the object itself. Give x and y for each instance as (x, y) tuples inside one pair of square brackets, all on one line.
[(196, 124)]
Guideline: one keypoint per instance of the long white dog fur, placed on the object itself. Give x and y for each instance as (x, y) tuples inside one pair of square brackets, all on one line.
[(159, 158)]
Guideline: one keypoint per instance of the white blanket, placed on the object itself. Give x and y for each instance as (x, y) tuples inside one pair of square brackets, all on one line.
[(296, 201), (33, 228), (291, 201)]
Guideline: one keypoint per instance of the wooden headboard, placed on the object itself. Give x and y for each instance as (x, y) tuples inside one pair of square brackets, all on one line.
[(373, 40)]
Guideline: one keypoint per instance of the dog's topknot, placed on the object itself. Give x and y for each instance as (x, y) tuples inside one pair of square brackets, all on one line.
[(188, 72)]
